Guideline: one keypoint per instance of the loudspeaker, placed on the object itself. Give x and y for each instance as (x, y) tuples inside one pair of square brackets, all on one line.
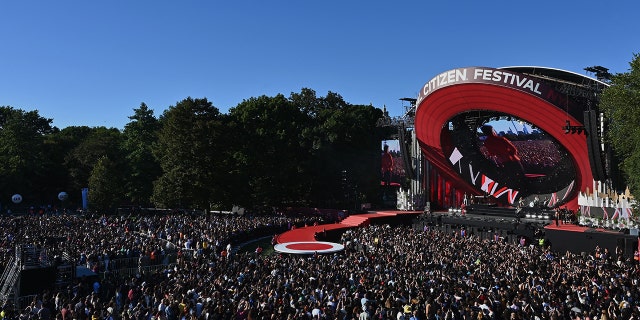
[(593, 145), (405, 145), (629, 247)]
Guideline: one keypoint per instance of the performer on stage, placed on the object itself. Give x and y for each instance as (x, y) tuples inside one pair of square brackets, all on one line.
[(504, 154)]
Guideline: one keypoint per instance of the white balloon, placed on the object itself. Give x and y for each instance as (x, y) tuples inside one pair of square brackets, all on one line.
[(62, 196), (16, 198)]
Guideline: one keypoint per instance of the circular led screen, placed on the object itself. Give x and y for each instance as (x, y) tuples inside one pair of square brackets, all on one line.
[(507, 157)]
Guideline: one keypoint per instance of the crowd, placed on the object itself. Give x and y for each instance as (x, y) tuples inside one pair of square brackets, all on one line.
[(385, 272), (541, 155)]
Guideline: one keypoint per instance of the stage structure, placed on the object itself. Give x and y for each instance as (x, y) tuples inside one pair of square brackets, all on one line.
[(411, 196), (30, 271), (511, 136)]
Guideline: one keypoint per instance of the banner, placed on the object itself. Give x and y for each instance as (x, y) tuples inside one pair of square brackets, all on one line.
[(85, 198)]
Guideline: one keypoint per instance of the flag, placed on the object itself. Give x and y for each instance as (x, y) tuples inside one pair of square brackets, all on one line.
[(616, 213), (553, 200), (586, 211), (455, 158)]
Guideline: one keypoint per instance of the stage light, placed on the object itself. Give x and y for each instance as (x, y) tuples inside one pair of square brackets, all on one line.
[(528, 216), (568, 128)]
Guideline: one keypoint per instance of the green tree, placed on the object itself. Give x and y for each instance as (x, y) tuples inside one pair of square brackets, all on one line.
[(58, 146), (188, 153), (142, 168), (352, 147), (105, 186), (621, 105), (344, 143), (22, 158), (97, 142), (269, 159)]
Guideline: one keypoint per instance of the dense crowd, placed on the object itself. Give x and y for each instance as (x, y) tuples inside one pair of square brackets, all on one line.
[(536, 155), (385, 272)]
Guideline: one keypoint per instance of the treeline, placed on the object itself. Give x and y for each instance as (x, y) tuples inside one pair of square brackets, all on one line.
[(302, 150)]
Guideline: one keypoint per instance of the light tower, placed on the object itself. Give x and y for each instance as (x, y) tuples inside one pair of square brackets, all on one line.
[(412, 158)]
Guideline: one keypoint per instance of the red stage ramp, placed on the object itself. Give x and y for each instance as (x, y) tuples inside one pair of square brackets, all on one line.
[(303, 240)]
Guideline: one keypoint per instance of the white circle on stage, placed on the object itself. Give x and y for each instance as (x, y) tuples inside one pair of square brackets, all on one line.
[(308, 247)]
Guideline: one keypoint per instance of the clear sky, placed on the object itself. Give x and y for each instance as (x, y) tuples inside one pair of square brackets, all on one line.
[(93, 62)]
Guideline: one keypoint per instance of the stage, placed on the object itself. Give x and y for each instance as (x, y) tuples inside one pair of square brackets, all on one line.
[(578, 239), (506, 225)]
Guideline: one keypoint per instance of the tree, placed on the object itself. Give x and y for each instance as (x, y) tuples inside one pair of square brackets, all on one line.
[(97, 143), (142, 167), (269, 159), (349, 154), (23, 162), (621, 105), (188, 153), (344, 144), (105, 186), (58, 147)]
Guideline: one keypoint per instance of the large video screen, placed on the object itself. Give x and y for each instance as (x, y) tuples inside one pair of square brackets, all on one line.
[(508, 158), (392, 169)]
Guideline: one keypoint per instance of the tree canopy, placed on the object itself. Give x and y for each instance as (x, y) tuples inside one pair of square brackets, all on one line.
[(621, 105)]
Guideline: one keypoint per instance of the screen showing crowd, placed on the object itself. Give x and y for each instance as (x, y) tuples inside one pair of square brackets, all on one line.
[(510, 151)]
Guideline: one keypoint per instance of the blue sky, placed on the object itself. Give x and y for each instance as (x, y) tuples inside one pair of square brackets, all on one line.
[(93, 62)]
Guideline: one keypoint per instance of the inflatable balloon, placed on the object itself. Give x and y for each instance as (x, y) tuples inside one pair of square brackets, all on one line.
[(16, 198), (62, 196)]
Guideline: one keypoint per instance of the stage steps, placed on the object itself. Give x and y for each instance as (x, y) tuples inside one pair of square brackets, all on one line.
[(9, 279)]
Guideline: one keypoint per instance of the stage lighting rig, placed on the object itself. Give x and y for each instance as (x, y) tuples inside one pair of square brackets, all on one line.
[(569, 129), (601, 72)]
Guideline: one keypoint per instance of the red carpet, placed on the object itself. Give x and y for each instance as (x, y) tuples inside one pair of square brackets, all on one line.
[(359, 220)]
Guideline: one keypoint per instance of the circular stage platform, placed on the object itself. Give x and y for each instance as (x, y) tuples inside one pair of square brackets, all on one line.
[(308, 247)]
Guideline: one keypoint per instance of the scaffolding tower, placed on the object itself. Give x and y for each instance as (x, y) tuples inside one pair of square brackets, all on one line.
[(412, 196)]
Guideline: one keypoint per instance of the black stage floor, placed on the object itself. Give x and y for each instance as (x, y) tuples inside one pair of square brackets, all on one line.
[(532, 225)]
